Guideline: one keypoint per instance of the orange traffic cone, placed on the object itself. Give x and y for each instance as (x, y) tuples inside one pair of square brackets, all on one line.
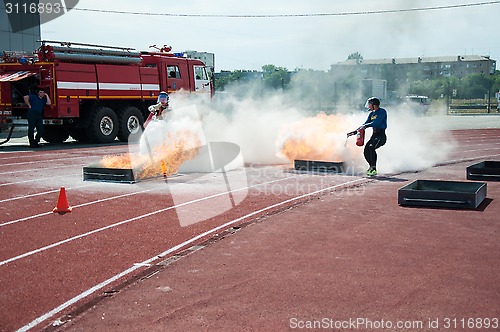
[(62, 203)]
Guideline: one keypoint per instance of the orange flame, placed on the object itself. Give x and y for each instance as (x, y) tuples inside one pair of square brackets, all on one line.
[(164, 159), (315, 138)]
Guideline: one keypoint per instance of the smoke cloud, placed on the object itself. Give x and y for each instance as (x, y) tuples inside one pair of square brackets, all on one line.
[(272, 128), (413, 142), (251, 121)]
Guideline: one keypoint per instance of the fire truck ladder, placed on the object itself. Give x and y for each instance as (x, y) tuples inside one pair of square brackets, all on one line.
[(68, 44), (66, 51)]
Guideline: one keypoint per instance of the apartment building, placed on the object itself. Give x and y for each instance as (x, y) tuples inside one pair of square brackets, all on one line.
[(417, 68)]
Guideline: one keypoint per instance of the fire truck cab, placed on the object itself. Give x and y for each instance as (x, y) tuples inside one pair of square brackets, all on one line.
[(98, 92)]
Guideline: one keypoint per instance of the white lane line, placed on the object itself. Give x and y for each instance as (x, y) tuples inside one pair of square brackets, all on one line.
[(35, 170), (56, 244), (136, 266), (76, 206), (82, 155), (475, 150), (76, 299), (40, 179), (42, 193), (489, 140), (457, 161), (30, 155), (42, 161), (483, 142), (123, 222), (25, 218)]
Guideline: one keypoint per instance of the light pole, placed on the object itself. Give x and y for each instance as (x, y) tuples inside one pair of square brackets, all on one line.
[(490, 83), (448, 99)]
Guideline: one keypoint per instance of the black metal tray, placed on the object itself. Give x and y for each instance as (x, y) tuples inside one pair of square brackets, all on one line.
[(118, 175), (484, 171), (448, 194), (319, 166)]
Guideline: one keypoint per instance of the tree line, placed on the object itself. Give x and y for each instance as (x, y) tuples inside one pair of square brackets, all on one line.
[(474, 86), (316, 84)]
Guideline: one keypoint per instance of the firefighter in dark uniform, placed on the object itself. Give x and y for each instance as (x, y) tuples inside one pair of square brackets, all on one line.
[(377, 119)]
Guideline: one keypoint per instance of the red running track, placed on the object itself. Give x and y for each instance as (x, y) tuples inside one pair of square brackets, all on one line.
[(51, 264)]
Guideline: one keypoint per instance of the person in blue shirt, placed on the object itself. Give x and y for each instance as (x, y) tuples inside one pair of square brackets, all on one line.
[(377, 119), (36, 104)]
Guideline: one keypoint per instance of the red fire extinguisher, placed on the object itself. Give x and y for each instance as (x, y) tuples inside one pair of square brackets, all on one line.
[(360, 137)]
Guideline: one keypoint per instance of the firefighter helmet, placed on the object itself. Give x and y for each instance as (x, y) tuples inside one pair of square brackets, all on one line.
[(373, 101), (163, 98)]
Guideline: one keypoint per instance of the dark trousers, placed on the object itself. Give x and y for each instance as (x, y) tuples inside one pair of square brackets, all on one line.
[(377, 140), (35, 120)]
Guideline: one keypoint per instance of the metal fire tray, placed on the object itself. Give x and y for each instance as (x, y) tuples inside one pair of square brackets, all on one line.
[(448, 194), (319, 166), (484, 171), (118, 175)]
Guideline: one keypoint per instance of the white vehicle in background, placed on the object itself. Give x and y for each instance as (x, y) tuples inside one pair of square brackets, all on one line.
[(419, 104)]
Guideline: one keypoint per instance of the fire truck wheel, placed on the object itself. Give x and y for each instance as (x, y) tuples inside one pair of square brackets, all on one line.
[(103, 126), (131, 123), (54, 134)]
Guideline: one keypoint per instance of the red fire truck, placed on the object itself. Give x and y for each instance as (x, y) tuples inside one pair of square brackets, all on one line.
[(98, 92)]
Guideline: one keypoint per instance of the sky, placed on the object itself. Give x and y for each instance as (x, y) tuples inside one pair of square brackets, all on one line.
[(292, 42)]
